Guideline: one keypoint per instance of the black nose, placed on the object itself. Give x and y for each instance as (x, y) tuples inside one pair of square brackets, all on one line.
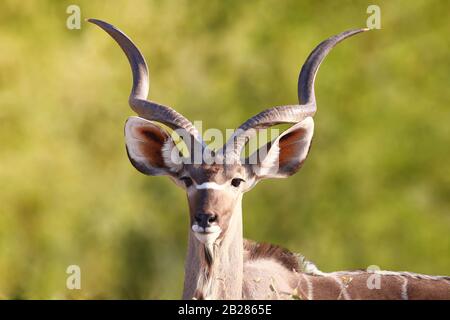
[(205, 219)]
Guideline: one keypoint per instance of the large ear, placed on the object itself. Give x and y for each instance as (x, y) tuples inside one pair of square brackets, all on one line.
[(150, 148), (285, 155)]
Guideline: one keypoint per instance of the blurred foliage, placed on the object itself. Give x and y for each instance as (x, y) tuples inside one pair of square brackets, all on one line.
[(375, 189)]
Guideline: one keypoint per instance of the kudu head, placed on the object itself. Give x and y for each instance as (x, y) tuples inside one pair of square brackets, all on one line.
[(216, 180)]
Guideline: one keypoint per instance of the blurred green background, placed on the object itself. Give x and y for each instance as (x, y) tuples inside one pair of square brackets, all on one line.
[(374, 190)]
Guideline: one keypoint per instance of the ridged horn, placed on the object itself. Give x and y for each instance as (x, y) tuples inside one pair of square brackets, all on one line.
[(288, 113)]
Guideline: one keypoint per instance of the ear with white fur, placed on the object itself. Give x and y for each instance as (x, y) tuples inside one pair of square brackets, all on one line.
[(285, 155), (150, 148)]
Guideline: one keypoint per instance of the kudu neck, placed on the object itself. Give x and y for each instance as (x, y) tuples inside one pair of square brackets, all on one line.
[(222, 278)]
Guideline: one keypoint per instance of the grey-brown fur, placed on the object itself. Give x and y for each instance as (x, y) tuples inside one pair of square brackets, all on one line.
[(256, 250)]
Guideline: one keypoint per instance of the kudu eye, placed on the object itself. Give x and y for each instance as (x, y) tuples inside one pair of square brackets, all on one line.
[(187, 181), (236, 182)]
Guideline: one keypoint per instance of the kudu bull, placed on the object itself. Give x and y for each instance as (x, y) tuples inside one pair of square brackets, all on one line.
[(220, 263)]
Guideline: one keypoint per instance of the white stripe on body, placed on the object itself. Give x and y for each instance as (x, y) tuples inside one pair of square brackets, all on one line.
[(404, 288), (309, 287), (343, 287)]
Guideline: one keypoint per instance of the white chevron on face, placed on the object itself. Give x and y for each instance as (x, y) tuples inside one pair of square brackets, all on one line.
[(210, 185)]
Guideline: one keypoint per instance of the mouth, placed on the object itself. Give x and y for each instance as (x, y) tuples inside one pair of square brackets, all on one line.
[(206, 235)]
